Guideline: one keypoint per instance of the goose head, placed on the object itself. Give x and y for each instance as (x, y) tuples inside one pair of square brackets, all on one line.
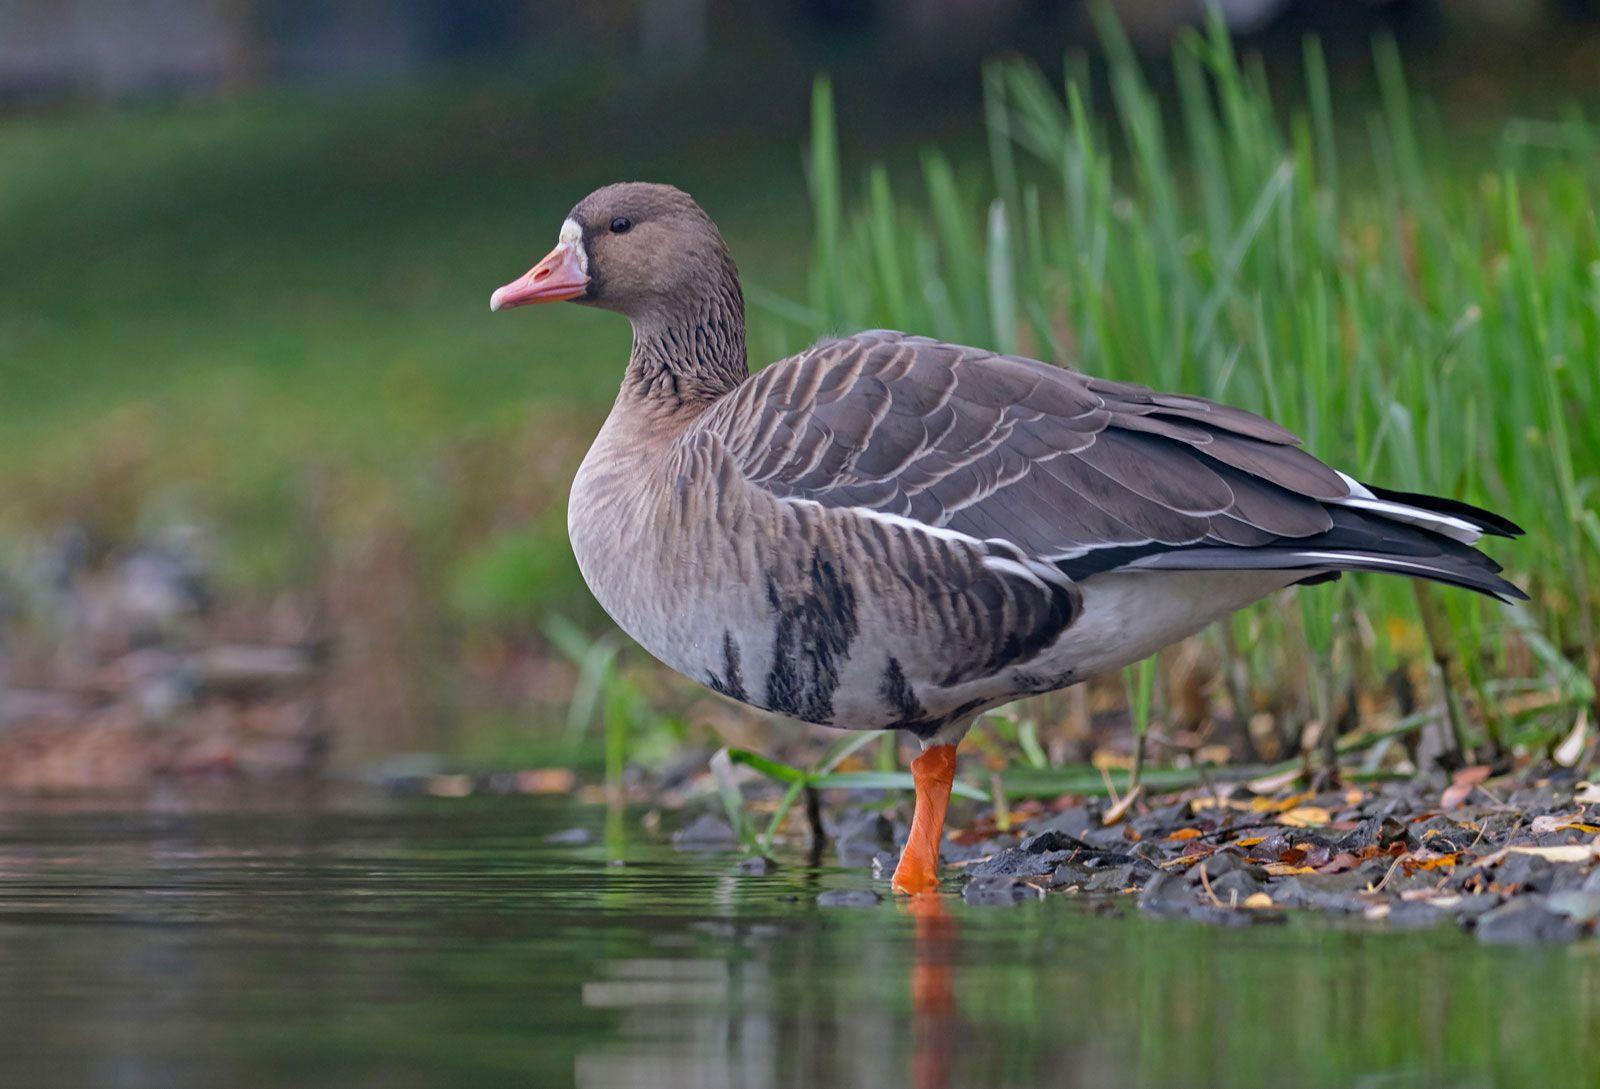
[(649, 252), (637, 248)]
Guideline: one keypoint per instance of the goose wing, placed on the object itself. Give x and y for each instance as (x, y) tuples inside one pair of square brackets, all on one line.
[(1078, 473)]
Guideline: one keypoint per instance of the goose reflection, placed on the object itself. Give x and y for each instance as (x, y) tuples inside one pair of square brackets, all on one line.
[(933, 995), (774, 1007)]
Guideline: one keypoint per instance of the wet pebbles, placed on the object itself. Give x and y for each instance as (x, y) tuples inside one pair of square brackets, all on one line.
[(1523, 866)]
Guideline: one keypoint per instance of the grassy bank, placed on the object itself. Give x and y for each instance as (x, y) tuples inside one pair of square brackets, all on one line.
[(1423, 326)]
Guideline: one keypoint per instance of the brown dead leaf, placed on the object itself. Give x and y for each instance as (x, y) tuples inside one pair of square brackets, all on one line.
[(1292, 856), (1339, 863), (546, 781), (1462, 784)]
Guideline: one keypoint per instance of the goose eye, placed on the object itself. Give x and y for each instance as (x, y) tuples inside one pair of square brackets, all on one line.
[(620, 225)]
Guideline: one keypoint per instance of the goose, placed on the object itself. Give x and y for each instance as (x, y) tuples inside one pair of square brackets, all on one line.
[(891, 532)]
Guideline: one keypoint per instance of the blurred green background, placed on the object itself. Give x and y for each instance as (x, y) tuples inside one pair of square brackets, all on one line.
[(251, 394)]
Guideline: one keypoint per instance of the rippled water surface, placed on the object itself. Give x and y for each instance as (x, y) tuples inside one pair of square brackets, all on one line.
[(437, 943)]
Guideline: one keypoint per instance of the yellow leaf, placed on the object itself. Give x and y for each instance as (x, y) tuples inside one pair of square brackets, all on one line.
[(1278, 805), (1449, 861), (1306, 816), (1257, 900), (1250, 841), (1285, 869)]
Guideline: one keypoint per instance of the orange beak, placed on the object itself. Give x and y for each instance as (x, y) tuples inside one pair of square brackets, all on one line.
[(559, 276)]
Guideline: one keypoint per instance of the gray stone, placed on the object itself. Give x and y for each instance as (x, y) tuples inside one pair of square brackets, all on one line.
[(570, 837), (1525, 919), (1321, 892), (1015, 862), (999, 891), (706, 832), (1580, 907), (861, 835)]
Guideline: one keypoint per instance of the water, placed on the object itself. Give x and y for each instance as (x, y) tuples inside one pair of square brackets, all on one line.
[(444, 943)]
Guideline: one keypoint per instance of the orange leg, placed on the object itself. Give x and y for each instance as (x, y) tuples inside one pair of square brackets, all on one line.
[(934, 771)]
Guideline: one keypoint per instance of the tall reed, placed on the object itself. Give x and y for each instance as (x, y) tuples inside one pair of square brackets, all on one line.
[(1421, 326)]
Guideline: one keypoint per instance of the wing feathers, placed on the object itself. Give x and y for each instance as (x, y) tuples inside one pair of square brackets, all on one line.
[(1064, 468)]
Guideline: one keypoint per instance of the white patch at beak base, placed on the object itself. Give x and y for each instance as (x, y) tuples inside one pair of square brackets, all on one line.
[(572, 235)]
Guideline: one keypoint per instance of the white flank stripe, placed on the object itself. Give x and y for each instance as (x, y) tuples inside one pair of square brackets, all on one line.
[(1035, 571), (1012, 567), (901, 522)]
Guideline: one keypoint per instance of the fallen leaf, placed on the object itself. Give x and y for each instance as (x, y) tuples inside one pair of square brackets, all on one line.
[(1570, 751), (1285, 869), (1575, 852), (1305, 816), (1250, 841), (1417, 863), (1430, 893), (1210, 801), (546, 781), (1561, 822), (1115, 814), (1462, 784), (450, 786), (1339, 863), (1257, 900), (1271, 784), (1185, 833)]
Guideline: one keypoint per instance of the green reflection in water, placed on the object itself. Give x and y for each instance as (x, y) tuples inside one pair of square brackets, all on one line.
[(447, 944)]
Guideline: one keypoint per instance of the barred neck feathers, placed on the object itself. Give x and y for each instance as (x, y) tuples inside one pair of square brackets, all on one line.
[(689, 349)]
